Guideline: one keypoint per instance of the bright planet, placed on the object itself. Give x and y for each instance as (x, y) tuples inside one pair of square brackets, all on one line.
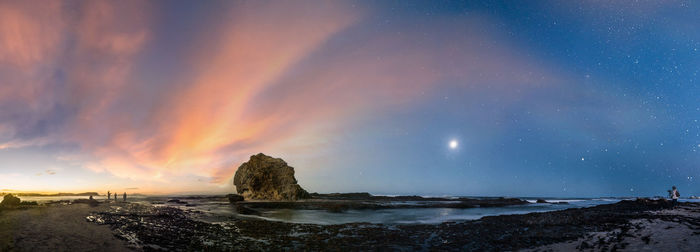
[(454, 144)]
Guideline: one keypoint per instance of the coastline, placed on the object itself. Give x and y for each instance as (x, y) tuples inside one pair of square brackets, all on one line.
[(639, 224)]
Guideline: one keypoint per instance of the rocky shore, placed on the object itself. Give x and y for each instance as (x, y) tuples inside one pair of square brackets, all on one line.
[(153, 228), (340, 202)]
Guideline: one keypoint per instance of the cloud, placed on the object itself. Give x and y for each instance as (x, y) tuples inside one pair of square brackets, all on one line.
[(29, 32), (192, 120), (263, 77)]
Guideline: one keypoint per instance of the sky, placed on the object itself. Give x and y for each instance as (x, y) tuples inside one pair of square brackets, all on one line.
[(487, 98)]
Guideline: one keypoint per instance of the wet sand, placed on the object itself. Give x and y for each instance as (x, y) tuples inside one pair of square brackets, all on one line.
[(56, 228)]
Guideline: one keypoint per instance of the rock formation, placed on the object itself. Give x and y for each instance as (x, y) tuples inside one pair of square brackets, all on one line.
[(10, 200), (267, 178), (233, 198)]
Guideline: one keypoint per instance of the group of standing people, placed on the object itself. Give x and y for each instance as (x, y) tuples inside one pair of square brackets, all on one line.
[(109, 196)]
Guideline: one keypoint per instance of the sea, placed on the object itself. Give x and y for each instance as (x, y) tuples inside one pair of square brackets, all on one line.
[(219, 209)]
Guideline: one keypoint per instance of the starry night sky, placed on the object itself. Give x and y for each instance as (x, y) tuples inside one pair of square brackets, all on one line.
[(545, 98)]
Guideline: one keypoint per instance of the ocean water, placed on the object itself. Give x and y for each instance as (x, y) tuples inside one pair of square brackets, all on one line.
[(218, 210), (212, 211), (422, 215)]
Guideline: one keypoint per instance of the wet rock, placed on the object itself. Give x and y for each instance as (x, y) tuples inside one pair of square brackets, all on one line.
[(242, 209), (91, 202), (10, 200), (333, 203), (177, 201), (541, 201), (584, 245), (234, 198), (267, 178), (166, 229), (343, 196)]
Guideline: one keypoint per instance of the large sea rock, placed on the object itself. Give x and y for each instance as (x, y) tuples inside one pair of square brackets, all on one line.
[(267, 178)]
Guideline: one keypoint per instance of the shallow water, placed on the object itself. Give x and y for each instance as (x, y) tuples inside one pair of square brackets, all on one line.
[(416, 215), (217, 210), (397, 216)]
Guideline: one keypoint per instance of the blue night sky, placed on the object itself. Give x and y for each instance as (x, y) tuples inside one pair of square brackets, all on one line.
[(544, 98)]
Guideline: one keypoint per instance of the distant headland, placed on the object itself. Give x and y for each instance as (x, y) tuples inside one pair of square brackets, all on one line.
[(28, 194)]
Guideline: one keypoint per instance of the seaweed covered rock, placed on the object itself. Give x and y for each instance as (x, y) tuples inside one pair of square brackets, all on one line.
[(10, 200), (267, 178)]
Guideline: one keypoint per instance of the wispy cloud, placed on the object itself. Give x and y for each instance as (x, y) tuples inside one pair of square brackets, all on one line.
[(264, 77)]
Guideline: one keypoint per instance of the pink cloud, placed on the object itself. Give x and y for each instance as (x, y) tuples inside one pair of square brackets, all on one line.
[(261, 79)]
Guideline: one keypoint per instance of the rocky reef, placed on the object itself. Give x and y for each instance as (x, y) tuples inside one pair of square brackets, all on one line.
[(492, 233), (341, 202), (165, 228), (267, 178), (233, 198)]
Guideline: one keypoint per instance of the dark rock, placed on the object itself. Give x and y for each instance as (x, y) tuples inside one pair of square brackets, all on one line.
[(171, 229), (241, 209), (337, 208), (343, 196), (541, 201), (10, 200), (91, 202), (234, 198), (177, 201), (267, 178), (584, 245), (146, 228), (340, 204)]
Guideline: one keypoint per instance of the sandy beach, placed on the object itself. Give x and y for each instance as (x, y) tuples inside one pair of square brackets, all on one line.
[(56, 227)]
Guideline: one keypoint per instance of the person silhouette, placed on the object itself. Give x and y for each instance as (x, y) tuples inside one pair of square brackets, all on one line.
[(109, 195), (124, 196), (674, 195)]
